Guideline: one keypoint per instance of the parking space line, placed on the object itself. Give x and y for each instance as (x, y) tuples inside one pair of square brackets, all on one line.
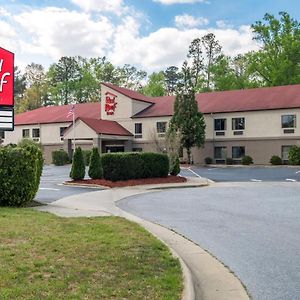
[(297, 172), (256, 180), (292, 180), (194, 173), (49, 189)]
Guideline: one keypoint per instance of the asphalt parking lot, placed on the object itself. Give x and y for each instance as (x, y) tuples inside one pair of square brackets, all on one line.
[(244, 174), (252, 227), (51, 187)]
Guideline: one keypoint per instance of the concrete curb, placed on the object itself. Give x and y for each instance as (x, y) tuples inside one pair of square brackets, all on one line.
[(204, 276)]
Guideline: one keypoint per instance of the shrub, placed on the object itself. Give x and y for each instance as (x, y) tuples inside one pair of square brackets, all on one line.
[(155, 165), (276, 160), (133, 165), (294, 155), (174, 165), (247, 160), (78, 166), (208, 160), (229, 161), (20, 172), (95, 168), (60, 157), (87, 156)]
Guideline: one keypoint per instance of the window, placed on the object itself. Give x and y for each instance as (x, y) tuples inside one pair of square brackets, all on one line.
[(238, 123), (238, 152), (285, 152), (35, 132), (25, 133), (220, 124), (2, 134), (161, 127), (220, 153), (61, 131), (288, 121), (138, 130)]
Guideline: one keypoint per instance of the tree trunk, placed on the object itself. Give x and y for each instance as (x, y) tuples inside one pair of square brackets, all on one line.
[(188, 150)]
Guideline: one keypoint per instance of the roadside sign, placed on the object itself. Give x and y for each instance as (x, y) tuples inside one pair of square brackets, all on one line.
[(6, 118), (6, 90), (6, 78)]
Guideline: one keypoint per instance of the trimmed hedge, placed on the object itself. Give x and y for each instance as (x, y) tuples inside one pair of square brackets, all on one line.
[(20, 172), (95, 168), (276, 160), (134, 165), (208, 160), (229, 161), (294, 155), (78, 167), (60, 157), (247, 160)]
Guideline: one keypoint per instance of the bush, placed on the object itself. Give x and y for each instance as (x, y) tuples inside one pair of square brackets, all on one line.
[(20, 172), (208, 160), (276, 160), (294, 155), (95, 168), (247, 160), (78, 166), (87, 156), (60, 157), (134, 165), (174, 165), (229, 161)]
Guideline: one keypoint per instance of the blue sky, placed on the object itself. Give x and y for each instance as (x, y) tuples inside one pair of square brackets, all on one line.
[(151, 34)]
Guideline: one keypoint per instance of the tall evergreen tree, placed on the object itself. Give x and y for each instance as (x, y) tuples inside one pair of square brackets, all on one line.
[(187, 120)]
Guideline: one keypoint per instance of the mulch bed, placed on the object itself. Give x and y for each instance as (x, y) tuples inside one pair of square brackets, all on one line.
[(131, 182)]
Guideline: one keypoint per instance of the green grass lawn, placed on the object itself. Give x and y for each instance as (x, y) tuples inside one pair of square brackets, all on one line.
[(46, 257)]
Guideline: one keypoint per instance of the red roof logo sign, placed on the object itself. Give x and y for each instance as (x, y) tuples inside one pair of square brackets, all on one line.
[(6, 78), (110, 103)]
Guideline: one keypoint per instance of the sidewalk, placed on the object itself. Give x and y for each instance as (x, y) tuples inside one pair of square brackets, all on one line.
[(204, 276)]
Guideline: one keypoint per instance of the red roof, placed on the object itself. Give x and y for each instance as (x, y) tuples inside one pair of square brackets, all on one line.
[(280, 97), (57, 114), (106, 127), (129, 93)]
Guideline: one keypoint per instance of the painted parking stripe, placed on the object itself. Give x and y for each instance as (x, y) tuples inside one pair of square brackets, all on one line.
[(256, 180), (194, 173), (292, 180), (49, 189), (297, 172)]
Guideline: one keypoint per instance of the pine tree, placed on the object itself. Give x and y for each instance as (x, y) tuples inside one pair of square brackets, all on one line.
[(78, 166), (187, 120), (95, 168)]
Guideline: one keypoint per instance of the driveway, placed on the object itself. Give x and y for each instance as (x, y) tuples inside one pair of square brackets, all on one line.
[(51, 187), (252, 227)]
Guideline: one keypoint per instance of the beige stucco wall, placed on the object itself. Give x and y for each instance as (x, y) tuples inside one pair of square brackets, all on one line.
[(49, 133), (258, 124), (125, 109), (260, 150), (81, 131)]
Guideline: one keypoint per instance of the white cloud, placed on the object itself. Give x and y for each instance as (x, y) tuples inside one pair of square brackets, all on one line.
[(223, 24), (169, 46), (115, 6), (188, 21), (7, 36), (4, 12), (69, 33), (64, 33), (169, 2)]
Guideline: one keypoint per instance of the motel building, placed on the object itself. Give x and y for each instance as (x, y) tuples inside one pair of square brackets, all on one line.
[(258, 122)]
